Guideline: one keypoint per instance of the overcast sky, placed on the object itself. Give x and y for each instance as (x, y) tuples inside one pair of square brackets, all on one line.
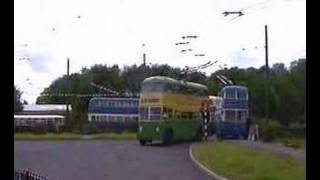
[(113, 31)]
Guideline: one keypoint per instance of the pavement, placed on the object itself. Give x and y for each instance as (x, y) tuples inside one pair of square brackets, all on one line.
[(101, 160)]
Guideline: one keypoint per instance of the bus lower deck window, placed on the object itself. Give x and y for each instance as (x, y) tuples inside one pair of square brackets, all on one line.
[(155, 113), (230, 116)]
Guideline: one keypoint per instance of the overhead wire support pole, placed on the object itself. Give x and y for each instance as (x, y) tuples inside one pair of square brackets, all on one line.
[(68, 89), (267, 77)]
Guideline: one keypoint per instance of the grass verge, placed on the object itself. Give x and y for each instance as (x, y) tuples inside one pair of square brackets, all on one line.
[(237, 162), (296, 143), (72, 136)]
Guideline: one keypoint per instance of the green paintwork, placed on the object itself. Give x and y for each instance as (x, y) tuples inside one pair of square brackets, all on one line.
[(183, 129)]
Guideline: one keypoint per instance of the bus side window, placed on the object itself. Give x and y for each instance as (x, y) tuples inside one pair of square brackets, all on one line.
[(169, 112), (185, 115), (164, 113), (177, 114)]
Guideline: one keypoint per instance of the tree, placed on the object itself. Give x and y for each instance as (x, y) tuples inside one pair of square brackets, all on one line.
[(18, 107), (287, 86)]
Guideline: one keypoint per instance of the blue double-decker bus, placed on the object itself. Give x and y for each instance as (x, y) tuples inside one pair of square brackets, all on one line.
[(232, 112), (113, 114)]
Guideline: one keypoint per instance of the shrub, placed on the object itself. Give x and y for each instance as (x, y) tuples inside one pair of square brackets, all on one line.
[(89, 129), (131, 126), (270, 131)]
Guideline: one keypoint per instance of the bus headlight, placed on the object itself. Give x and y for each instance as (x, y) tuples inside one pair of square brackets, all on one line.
[(140, 129), (157, 129)]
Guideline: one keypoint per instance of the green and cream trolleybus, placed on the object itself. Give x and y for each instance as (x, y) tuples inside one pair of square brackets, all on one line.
[(169, 110)]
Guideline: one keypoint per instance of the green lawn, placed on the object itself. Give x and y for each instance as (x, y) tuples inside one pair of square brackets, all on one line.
[(237, 162), (296, 143), (72, 136)]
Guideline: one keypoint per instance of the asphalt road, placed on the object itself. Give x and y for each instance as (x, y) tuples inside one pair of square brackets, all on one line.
[(102, 160)]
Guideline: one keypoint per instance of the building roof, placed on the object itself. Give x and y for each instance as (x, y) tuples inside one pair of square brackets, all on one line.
[(45, 107)]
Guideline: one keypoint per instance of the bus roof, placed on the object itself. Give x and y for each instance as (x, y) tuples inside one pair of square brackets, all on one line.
[(38, 116), (235, 87), (165, 79), (45, 107)]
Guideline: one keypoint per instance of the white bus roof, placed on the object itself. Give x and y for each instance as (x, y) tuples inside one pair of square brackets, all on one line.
[(37, 116), (45, 107)]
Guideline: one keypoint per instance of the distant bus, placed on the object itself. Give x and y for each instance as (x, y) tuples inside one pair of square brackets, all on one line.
[(169, 110), (114, 114), (38, 123), (231, 114)]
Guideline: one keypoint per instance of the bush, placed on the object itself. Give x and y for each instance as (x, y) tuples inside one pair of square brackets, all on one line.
[(258, 120), (270, 131), (89, 129), (131, 126)]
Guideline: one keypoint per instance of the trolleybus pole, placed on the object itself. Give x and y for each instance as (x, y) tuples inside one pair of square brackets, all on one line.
[(267, 76)]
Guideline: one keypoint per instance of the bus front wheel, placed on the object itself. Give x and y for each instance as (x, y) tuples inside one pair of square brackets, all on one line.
[(167, 137), (142, 142)]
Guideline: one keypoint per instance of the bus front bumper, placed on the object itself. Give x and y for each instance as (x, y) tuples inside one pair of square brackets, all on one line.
[(149, 131)]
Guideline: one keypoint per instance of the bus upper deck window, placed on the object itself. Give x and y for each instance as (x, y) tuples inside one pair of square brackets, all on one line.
[(241, 95), (230, 94)]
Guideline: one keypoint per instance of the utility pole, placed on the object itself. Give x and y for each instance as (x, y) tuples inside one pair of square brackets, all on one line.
[(144, 59), (68, 89), (144, 55), (267, 77)]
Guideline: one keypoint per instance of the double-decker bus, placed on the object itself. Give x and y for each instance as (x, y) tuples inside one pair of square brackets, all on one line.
[(169, 110), (231, 114), (114, 114)]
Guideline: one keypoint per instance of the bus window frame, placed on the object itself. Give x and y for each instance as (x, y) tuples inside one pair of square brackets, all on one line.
[(245, 97), (160, 113), (235, 113)]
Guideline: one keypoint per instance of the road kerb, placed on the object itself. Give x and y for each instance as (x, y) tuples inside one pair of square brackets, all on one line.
[(202, 167)]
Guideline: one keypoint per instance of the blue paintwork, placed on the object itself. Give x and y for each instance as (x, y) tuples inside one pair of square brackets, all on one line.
[(231, 130), (114, 126), (111, 106), (234, 104), (113, 110)]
